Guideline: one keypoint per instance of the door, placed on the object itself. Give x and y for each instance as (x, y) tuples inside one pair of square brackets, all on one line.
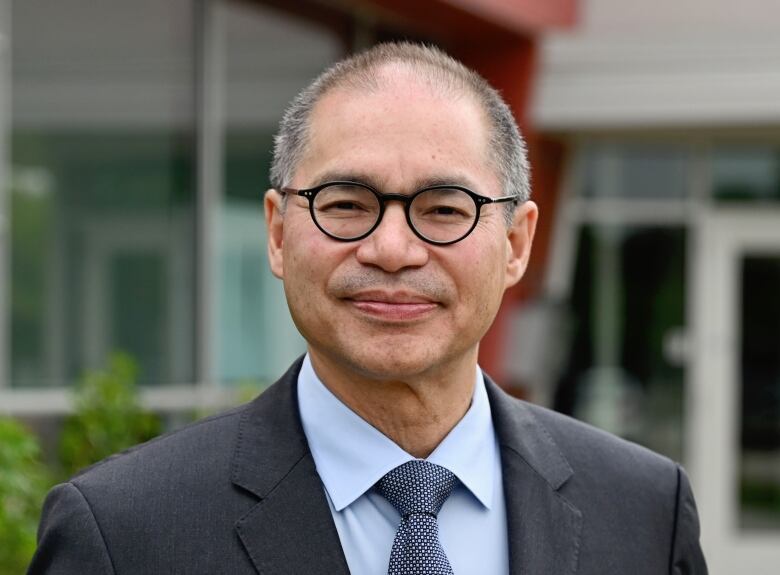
[(734, 449)]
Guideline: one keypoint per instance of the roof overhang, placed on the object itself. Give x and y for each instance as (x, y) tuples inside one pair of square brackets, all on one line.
[(476, 18)]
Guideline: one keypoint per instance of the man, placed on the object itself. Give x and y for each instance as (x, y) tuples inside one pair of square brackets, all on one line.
[(398, 217)]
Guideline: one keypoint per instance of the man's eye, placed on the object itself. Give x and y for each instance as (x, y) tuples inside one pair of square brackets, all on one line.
[(445, 211), (343, 206), (443, 205)]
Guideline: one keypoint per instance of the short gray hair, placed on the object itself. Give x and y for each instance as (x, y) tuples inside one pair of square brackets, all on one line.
[(361, 71)]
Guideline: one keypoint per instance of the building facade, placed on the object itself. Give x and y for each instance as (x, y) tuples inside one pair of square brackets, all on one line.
[(664, 279), (135, 143)]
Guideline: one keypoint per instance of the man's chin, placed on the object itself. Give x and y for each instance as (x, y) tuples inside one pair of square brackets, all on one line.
[(394, 363)]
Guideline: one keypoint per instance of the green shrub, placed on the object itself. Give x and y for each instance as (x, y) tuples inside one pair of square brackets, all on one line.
[(107, 416), (23, 485)]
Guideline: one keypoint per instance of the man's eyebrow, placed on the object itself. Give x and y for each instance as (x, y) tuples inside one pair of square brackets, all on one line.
[(454, 178), (347, 176)]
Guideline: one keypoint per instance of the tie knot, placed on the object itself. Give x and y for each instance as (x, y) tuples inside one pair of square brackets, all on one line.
[(417, 487)]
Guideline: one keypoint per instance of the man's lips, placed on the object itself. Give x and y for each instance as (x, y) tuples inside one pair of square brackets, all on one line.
[(395, 297), (392, 306)]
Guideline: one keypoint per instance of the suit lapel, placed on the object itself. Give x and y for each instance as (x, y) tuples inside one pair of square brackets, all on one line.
[(544, 528), (291, 529)]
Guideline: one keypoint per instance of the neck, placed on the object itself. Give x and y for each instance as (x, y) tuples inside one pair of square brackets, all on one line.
[(415, 412)]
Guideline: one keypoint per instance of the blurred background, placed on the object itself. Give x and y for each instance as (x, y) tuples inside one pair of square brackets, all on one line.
[(135, 141)]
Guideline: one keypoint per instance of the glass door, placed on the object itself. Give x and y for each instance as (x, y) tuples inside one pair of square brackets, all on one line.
[(735, 408)]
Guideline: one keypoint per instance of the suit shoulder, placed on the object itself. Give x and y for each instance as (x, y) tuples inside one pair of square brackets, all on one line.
[(206, 441), (593, 452)]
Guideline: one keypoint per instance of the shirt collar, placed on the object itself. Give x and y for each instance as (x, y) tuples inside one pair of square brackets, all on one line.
[(351, 455)]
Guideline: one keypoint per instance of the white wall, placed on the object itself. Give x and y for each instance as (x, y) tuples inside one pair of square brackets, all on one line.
[(687, 17), (145, 64), (668, 63)]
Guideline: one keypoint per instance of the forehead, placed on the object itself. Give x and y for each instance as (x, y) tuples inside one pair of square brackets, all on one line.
[(402, 132)]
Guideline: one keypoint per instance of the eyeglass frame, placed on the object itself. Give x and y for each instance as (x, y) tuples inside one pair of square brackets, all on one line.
[(382, 198)]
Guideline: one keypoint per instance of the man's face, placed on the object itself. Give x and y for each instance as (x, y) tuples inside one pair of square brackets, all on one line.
[(391, 306)]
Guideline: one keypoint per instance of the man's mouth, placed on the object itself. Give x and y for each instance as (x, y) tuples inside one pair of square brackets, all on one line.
[(392, 306)]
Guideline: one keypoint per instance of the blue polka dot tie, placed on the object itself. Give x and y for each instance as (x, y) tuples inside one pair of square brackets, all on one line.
[(418, 489)]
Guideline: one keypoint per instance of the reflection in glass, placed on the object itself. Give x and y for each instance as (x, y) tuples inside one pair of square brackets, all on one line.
[(256, 339), (102, 189), (635, 171), (760, 392), (625, 371), (746, 174)]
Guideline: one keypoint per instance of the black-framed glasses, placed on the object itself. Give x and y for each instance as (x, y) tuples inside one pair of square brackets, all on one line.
[(350, 211)]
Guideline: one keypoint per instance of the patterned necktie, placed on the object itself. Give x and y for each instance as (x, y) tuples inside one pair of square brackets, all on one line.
[(418, 489)]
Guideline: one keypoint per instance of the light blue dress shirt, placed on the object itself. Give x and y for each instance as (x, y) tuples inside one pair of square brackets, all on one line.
[(351, 456)]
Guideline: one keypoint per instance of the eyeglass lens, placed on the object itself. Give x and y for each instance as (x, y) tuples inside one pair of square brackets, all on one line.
[(349, 211)]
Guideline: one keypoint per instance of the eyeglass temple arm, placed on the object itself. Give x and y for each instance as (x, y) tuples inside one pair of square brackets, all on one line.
[(501, 199)]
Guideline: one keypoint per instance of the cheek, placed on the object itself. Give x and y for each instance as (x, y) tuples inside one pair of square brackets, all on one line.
[(304, 296), (485, 280), (301, 248), (310, 260)]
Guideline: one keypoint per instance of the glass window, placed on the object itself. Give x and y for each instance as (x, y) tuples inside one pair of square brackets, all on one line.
[(625, 372), (746, 174), (635, 171), (256, 339), (102, 192), (759, 476)]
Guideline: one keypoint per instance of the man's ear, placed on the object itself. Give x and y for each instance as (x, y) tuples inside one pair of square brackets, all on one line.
[(274, 222), (519, 239)]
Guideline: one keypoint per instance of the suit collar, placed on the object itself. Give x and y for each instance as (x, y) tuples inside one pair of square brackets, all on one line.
[(291, 527), (520, 432), (271, 439), (544, 528), (351, 455)]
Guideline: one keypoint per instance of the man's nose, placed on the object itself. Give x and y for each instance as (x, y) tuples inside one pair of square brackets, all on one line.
[(393, 246)]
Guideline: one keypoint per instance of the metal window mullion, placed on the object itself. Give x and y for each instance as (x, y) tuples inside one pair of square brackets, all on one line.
[(560, 269), (208, 113), (5, 179)]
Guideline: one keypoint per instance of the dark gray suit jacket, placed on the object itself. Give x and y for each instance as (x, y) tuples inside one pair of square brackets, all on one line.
[(239, 493)]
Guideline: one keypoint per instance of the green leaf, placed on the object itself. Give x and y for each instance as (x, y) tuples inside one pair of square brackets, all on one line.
[(107, 415)]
